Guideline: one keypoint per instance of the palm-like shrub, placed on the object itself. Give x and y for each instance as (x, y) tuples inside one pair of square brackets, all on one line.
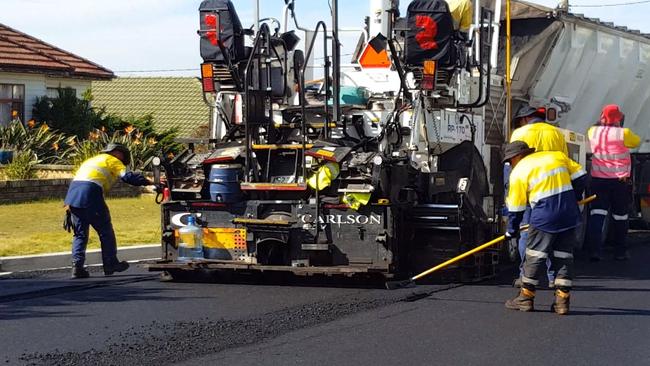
[(49, 145), (141, 146), (22, 166)]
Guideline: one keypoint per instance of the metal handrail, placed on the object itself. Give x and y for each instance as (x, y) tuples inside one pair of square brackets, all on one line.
[(262, 37), (303, 100)]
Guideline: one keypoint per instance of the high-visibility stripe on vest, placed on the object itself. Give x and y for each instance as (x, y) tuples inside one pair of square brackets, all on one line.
[(611, 158), (103, 170), (543, 181)]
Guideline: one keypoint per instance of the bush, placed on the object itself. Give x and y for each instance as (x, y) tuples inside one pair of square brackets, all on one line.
[(69, 114), (75, 117), (141, 146), (22, 166), (48, 144)]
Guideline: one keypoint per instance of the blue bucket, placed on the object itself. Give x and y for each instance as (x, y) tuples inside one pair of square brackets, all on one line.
[(224, 183), (6, 156)]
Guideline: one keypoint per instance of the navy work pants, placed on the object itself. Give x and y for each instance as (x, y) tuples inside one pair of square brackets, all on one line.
[(614, 196), (100, 219), (522, 249), (541, 246)]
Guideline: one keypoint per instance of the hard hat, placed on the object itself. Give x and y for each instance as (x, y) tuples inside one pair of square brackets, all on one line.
[(525, 111), (113, 146), (611, 115), (516, 148)]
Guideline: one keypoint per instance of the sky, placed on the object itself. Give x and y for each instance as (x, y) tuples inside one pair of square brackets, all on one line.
[(134, 37)]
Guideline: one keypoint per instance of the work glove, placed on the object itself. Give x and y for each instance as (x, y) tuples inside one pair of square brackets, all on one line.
[(67, 221), (512, 235)]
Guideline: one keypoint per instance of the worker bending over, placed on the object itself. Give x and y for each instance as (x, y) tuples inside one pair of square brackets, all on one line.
[(541, 136), (550, 183), (85, 201), (610, 180)]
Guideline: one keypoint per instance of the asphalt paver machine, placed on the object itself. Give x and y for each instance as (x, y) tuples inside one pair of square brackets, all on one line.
[(315, 166)]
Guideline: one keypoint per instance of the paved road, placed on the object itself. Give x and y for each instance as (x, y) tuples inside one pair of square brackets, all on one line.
[(132, 319)]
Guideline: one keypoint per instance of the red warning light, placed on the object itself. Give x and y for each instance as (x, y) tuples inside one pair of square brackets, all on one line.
[(212, 21)]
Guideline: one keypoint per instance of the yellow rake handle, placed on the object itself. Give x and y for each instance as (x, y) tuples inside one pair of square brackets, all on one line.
[(480, 248)]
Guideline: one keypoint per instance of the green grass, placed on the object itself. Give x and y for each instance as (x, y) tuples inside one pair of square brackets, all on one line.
[(34, 228)]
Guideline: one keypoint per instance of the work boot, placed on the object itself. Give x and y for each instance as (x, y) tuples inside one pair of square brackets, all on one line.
[(78, 271), (117, 267), (523, 302), (561, 304)]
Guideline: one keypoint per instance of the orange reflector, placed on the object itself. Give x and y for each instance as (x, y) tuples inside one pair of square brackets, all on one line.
[(206, 71), (207, 80), (429, 67), (372, 58)]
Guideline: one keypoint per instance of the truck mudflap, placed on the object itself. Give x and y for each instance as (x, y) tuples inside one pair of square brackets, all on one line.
[(290, 236)]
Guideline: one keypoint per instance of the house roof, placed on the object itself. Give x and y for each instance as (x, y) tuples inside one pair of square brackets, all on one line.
[(173, 101), (20, 52)]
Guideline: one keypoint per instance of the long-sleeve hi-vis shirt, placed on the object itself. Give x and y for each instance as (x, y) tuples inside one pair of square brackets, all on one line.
[(95, 177), (541, 136), (545, 181)]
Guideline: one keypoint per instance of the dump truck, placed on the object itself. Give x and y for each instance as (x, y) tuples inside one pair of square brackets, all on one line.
[(382, 165)]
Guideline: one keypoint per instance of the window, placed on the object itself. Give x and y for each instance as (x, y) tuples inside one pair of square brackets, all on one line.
[(12, 102)]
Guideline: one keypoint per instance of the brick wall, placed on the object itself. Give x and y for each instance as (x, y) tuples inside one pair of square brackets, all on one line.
[(14, 191)]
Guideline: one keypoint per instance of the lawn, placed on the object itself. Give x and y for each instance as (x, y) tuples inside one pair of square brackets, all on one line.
[(33, 228)]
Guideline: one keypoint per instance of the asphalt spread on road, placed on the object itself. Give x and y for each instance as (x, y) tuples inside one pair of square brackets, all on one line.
[(135, 320)]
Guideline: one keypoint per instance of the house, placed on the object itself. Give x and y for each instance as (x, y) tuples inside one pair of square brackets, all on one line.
[(174, 102), (31, 68)]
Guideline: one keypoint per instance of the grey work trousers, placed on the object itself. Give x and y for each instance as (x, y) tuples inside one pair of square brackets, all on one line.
[(542, 245)]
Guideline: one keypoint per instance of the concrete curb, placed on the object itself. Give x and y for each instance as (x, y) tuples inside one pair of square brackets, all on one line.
[(60, 260)]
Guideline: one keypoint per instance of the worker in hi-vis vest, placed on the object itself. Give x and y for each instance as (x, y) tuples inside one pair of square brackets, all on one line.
[(550, 184), (86, 206), (532, 128), (611, 166)]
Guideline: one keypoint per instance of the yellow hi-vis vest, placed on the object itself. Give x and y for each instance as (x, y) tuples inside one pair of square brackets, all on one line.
[(103, 170)]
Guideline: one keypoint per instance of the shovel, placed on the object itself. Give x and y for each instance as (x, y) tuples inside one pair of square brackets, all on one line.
[(393, 285)]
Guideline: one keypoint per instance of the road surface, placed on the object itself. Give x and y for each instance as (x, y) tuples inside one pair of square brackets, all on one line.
[(133, 319)]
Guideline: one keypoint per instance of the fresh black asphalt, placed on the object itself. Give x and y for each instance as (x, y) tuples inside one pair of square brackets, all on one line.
[(134, 319)]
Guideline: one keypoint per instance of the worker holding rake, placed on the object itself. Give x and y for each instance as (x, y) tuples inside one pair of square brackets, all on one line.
[(551, 184)]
